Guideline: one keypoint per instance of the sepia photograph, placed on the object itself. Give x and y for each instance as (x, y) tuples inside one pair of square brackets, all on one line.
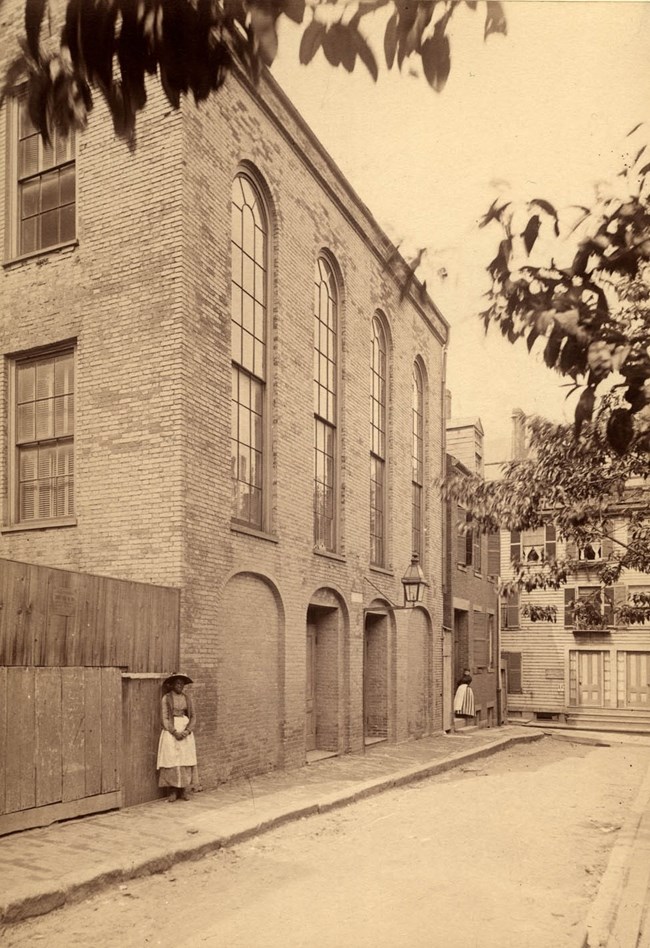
[(325, 473)]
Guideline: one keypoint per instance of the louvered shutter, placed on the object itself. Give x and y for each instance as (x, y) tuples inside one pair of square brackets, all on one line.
[(569, 599), (480, 640), (494, 554), (514, 673), (620, 597), (461, 552), (606, 546), (571, 550)]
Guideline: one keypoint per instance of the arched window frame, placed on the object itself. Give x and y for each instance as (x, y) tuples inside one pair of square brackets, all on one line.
[(250, 307), (326, 403), (379, 398)]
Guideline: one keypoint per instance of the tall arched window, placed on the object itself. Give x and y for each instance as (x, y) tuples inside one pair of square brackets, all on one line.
[(417, 463), (325, 407), (249, 358), (378, 399)]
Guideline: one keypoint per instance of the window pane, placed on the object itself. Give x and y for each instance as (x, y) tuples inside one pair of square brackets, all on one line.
[(66, 185), (248, 232), (47, 159), (248, 274), (30, 196), (44, 419), (247, 351), (50, 191), (248, 312), (25, 422), (50, 228), (25, 383), (67, 223), (28, 156), (63, 415), (64, 375)]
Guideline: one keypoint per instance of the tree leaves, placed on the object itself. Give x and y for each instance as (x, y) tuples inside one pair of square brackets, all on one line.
[(436, 58), (112, 45), (34, 12)]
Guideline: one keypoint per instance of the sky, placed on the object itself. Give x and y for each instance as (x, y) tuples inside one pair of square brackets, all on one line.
[(544, 112)]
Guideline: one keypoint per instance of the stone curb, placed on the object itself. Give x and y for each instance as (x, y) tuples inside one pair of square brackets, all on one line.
[(596, 929), (90, 881)]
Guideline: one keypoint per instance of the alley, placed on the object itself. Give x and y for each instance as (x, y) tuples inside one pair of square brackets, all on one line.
[(506, 851)]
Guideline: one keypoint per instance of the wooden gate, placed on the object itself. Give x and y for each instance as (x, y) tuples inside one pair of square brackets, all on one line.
[(60, 740)]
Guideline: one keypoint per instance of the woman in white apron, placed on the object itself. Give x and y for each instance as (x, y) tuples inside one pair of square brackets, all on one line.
[(176, 748)]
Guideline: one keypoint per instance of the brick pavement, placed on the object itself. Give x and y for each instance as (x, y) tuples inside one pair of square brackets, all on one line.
[(42, 869)]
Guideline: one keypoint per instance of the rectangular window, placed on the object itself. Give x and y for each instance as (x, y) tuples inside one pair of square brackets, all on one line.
[(510, 612), (42, 426), (513, 665), (45, 196), (588, 607)]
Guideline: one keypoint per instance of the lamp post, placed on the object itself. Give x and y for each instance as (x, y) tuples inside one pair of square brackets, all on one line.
[(414, 583)]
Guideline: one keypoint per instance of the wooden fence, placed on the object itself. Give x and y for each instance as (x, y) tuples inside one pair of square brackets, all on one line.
[(81, 662)]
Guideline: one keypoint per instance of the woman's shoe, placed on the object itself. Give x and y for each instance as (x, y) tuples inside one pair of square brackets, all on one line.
[(184, 794), (171, 796)]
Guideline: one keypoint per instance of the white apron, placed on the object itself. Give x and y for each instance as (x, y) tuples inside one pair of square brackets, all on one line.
[(173, 753)]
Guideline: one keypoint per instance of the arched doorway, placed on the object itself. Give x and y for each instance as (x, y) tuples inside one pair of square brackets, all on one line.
[(375, 676)]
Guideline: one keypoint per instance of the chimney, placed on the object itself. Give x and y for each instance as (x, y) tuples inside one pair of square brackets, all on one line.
[(518, 447)]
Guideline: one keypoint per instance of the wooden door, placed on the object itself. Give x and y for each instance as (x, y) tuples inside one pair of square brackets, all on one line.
[(590, 679), (60, 733), (310, 689), (637, 677)]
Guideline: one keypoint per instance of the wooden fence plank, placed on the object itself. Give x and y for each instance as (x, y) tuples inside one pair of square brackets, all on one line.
[(21, 784), (3, 737), (73, 733), (16, 645), (141, 710), (48, 736), (111, 713), (92, 730)]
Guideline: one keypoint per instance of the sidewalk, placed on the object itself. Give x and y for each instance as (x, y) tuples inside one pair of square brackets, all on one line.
[(42, 869)]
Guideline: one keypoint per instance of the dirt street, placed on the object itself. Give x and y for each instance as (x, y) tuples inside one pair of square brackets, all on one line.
[(504, 853)]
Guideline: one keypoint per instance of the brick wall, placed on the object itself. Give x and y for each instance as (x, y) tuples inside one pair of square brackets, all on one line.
[(146, 294)]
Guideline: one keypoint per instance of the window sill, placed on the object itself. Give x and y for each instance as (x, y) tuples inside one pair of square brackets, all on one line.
[(329, 555), (381, 569), (252, 532), (39, 525), (40, 253)]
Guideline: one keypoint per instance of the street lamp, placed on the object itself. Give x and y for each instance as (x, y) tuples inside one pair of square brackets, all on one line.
[(413, 582)]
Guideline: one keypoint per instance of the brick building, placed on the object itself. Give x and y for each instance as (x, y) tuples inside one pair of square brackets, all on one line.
[(213, 381), (470, 601)]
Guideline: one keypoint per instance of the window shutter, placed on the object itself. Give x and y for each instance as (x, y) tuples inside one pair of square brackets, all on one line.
[(514, 672), (606, 546), (469, 546), (480, 640), (569, 599), (510, 612), (462, 542), (571, 550), (515, 546), (494, 554), (550, 541)]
